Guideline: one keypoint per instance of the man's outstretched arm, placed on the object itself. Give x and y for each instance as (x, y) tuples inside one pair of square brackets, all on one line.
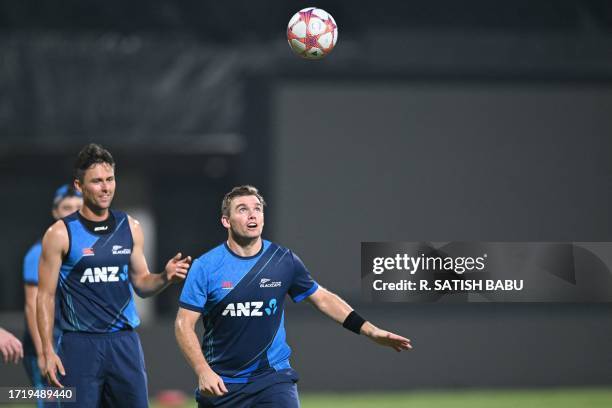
[(146, 283), (337, 309), (209, 382)]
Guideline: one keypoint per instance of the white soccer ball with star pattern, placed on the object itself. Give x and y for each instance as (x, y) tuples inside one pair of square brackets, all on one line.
[(312, 33)]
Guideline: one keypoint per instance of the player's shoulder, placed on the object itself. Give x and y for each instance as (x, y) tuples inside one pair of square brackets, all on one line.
[(120, 216), (57, 229), (275, 246), (56, 236), (212, 258)]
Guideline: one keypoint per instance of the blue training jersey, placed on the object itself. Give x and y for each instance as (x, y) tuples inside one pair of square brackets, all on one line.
[(242, 303), (30, 264), (95, 292)]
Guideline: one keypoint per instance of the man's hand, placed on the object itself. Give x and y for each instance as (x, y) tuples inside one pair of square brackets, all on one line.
[(385, 338), (10, 346), (176, 268), (211, 385), (53, 365)]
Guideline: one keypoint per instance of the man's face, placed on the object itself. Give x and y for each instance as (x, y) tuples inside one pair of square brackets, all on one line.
[(98, 186), (67, 206), (246, 217)]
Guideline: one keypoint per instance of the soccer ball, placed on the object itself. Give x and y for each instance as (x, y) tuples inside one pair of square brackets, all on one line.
[(312, 33)]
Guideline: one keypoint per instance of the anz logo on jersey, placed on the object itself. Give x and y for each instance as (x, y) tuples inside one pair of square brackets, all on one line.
[(105, 274), (250, 309)]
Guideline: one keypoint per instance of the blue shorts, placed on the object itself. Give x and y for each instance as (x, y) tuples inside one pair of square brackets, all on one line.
[(107, 369), (252, 395)]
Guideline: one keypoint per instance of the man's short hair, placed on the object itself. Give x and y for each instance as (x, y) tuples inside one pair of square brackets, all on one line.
[(91, 154), (239, 191)]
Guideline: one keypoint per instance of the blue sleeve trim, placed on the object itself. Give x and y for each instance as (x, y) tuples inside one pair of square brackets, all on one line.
[(304, 295), (191, 307), (30, 282)]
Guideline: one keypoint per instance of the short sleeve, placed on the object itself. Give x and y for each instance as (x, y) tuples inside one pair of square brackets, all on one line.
[(194, 294), (30, 265), (302, 285)]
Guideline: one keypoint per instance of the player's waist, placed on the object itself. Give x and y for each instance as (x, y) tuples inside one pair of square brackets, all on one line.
[(264, 376), (121, 332)]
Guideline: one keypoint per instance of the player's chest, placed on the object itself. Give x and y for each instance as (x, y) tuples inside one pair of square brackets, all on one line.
[(256, 283)]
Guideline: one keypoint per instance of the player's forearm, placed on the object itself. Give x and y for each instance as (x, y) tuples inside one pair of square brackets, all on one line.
[(337, 309), (151, 284), (45, 312), (333, 306), (31, 321), (190, 347)]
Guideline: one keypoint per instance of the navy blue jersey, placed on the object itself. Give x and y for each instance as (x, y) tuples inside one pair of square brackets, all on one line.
[(241, 300), (95, 292)]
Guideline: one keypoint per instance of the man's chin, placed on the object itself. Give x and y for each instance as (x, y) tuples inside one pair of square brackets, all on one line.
[(101, 206), (247, 238)]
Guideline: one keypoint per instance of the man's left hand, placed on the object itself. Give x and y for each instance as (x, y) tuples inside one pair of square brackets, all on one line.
[(177, 268), (385, 338)]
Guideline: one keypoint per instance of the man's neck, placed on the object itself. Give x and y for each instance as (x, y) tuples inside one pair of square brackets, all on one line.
[(91, 214), (246, 248)]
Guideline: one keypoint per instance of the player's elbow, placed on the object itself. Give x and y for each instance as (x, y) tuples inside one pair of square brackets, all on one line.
[(322, 299), (183, 324), (181, 327), (43, 298), (140, 288)]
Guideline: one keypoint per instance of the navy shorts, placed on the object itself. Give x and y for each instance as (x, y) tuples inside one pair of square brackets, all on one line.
[(107, 369), (277, 395)]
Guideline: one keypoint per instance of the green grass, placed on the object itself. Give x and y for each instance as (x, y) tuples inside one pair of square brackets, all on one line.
[(560, 398), (587, 398)]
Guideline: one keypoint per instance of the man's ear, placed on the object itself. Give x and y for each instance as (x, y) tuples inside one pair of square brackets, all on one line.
[(77, 185), (225, 221)]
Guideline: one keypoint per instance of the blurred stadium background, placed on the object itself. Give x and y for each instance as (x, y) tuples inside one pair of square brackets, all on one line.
[(431, 120)]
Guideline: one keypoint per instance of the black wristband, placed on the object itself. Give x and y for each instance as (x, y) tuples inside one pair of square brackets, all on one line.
[(353, 322)]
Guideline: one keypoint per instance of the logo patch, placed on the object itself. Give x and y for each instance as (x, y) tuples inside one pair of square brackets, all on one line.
[(88, 252), (103, 274), (227, 285), (268, 283), (250, 309), (117, 250), (271, 309)]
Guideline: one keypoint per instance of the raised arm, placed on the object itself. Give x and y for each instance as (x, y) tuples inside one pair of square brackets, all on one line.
[(338, 310), (146, 283), (209, 382), (54, 246)]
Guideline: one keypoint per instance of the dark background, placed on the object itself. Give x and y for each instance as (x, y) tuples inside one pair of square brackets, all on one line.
[(430, 121)]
